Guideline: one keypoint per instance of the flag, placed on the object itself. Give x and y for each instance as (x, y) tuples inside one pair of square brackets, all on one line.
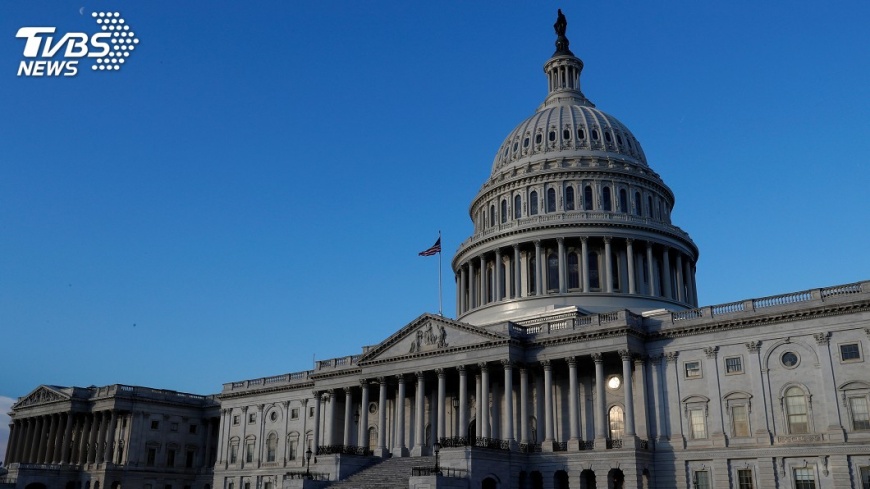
[(435, 248)]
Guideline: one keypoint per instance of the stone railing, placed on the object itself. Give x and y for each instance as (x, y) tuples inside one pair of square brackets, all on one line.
[(317, 476), (798, 439), (612, 444), (492, 443), (343, 450), (443, 471), (560, 446), (149, 393), (587, 444), (290, 378), (347, 361), (534, 327), (643, 444), (530, 447), (454, 442), (772, 301)]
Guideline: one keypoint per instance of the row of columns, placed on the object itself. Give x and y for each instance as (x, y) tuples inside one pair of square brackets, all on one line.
[(473, 285), (482, 413), (63, 438)]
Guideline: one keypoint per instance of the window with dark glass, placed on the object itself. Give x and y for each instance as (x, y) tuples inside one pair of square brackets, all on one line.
[(623, 200), (552, 271), (605, 199), (271, 447), (701, 479), (619, 139), (526, 143), (518, 212), (734, 365), (188, 461), (551, 200), (504, 212), (533, 203), (858, 408), (649, 206), (551, 136), (744, 479), (587, 197), (538, 138), (532, 275), (581, 134), (492, 215), (637, 204), (151, 457), (573, 271), (595, 134), (804, 478), (566, 134), (850, 351), (569, 198), (594, 282), (608, 137), (170, 458)]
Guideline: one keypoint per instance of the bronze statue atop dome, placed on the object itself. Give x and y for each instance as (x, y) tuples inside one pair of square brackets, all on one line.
[(562, 42)]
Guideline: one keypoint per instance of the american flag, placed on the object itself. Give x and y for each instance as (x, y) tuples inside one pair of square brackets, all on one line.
[(435, 248)]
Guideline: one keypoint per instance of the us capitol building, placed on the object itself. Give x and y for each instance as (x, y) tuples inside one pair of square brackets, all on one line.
[(579, 357)]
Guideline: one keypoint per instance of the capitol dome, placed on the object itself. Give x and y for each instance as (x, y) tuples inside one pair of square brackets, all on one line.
[(572, 216)]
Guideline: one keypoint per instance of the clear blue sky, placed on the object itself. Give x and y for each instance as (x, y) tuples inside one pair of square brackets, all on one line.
[(255, 183)]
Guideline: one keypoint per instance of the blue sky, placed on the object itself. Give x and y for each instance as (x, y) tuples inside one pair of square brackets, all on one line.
[(253, 186)]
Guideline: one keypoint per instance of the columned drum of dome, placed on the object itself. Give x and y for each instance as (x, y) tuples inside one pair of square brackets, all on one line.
[(572, 215)]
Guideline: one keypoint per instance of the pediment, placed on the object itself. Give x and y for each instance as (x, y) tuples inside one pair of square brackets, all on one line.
[(431, 335), (41, 395)]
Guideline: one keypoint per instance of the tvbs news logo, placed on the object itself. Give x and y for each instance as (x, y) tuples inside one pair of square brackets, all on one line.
[(47, 53)]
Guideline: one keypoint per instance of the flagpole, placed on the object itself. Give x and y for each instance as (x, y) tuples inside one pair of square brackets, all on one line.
[(440, 310)]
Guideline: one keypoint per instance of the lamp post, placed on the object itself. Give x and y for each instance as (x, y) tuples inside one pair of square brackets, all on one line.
[(308, 454), (437, 448)]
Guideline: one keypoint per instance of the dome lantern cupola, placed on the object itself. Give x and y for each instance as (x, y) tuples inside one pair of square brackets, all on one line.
[(563, 71)]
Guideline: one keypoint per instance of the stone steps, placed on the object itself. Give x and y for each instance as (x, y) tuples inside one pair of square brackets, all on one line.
[(392, 473)]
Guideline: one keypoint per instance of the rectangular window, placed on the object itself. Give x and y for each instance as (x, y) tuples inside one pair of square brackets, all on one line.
[(311, 412), (702, 479), (173, 427), (292, 450), (698, 424), (804, 479), (294, 413), (252, 418), (170, 458), (152, 457), (865, 477), (192, 429), (744, 479), (734, 365), (860, 413), (249, 452), (155, 424), (236, 420), (234, 453), (693, 370), (247, 485), (740, 421), (188, 462), (231, 485), (850, 351)]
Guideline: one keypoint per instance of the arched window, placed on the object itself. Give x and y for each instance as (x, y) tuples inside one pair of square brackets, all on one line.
[(271, 447), (623, 200), (569, 198), (492, 215), (587, 197), (617, 423), (605, 199), (533, 203), (796, 411), (551, 200), (504, 212), (573, 271), (637, 204), (373, 437), (552, 272), (531, 274), (594, 282), (518, 206), (649, 206)]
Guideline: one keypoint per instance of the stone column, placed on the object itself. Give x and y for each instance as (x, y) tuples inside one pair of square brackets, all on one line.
[(51, 441), (84, 445), (348, 416), (110, 437), (497, 278), (463, 402), (584, 265), (608, 264), (563, 266), (834, 428), (400, 450), (651, 270), (629, 250), (540, 286), (509, 403), (484, 400), (482, 284), (629, 395), (472, 287), (67, 436), (600, 418), (363, 438), (666, 273), (758, 410), (45, 433), (681, 291), (315, 431), (419, 423), (640, 368), (524, 405), (673, 400), (463, 290), (101, 437), (221, 435), (13, 433), (518, 284), (381, 450), (547, 446), (711, 376), (442, 400), (572, 404)]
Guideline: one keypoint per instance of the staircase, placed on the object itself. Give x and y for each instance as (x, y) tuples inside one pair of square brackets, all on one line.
[(392, 473)]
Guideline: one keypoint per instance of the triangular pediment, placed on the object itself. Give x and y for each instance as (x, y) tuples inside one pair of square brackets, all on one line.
[(43, 394), (431, 335)]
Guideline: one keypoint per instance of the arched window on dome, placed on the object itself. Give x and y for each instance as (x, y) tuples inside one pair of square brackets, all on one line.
[(492, 215), (569, 198), (608, 137), (504, 211), (551, 200), (606, 202), (594, 280), (566, 134), (623, 201), (595, 134), (637, 204), (551, 136), (587, 198), (581, 134), (518, 206), (649, 206), (531, 274), (552, 272), (573, 271), (533, 203)]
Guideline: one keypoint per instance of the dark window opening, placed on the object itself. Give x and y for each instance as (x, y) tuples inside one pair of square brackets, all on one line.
[(605, 199), (551, 200), (533, 203), (569, 199)]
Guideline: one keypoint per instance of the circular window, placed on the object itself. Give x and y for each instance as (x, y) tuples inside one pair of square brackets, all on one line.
[(789, 359), (614, 382), (273, 416), (373, 408)]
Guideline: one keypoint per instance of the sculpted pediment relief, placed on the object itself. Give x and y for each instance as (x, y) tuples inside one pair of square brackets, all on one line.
[(41, 395), (430, 334)]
